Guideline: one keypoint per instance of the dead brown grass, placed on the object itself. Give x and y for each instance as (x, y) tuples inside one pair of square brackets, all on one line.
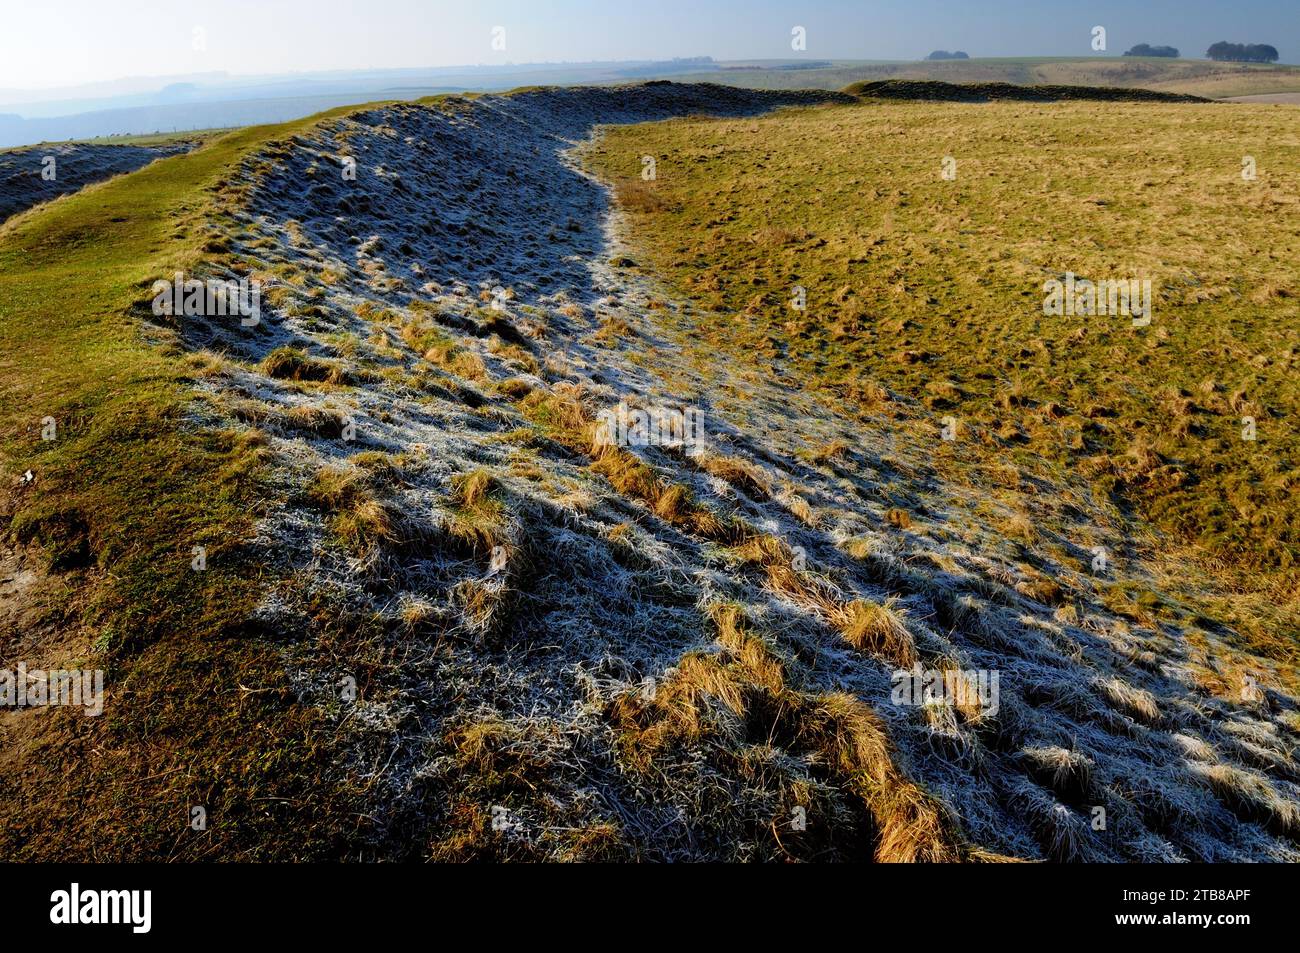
[(746, 677)]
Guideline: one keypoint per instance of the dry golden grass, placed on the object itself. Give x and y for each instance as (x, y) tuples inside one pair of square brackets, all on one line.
[(878, 629), (1133, 701), (288, 363), (835, 451), (907, 824), (569, 417), (477, 519), (360, 519), (1252, 797), (741, 474), (472, 489)]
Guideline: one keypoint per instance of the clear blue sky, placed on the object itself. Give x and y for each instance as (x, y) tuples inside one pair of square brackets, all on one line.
[(46, 44)]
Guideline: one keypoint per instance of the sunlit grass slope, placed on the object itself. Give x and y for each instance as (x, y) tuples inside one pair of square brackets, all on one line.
[(934, 289), (116, 504)]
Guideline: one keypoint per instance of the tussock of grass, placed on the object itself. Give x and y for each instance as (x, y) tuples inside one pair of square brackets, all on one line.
[(1063, 834), (879, 629), (515, 388), (1132, 701), (472, 489), (741, 474), (366, 526), (1041, 589), (635, 193), (898, 517), (363, 522), (457, 360), (1251, 797), (288, 363), (321, 421), (478, 519), (836, 451), (912, 824), (438, 347), (1068, 773), (514, 355), (868, 626), (486, 608)]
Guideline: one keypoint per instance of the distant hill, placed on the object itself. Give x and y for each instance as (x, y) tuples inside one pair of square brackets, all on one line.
[(1164, 74), (180, 116)]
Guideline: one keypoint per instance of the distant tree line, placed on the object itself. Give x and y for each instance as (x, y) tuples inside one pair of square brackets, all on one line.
[(1242, 52), (1146, 49), (945, 55)]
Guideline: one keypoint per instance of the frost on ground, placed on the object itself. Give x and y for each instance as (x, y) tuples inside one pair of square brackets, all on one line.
[(28, 177), (566, 649)]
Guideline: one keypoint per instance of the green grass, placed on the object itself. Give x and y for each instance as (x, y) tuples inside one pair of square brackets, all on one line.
[(119, 500), (933, 288)]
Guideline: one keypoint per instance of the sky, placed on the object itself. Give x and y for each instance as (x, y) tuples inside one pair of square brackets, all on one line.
[(73, 42)]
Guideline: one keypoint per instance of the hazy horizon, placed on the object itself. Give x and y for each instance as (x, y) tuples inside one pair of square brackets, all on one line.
[(138, 40)]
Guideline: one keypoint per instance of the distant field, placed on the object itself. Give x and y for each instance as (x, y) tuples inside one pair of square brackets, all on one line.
[(1195, 77), (934, 288), (1276, 98)]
